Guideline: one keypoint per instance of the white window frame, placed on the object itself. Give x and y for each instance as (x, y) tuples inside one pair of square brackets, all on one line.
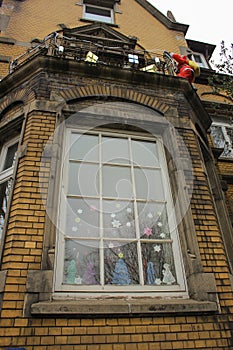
[(203, 63), (61, 290), (6, 174), (94, 17), (227, 138)]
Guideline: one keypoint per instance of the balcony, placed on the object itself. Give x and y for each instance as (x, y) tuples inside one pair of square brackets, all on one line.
[(56, 45)]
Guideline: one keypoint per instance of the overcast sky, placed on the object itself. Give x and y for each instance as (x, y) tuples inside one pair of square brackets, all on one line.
[(209, 21)]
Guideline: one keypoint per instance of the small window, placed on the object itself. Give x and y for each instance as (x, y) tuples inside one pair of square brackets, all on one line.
[(115, 233), (7, 160), (98, 13), (200, 60), (223, 138)]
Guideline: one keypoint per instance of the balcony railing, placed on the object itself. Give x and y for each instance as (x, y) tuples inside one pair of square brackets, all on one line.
[(90, 52)]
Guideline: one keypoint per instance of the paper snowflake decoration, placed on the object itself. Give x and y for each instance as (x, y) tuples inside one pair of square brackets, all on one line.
[(74, 229), (79, 211), (160, 224), (157, 248), (162, 235), (129, 210), (113, 215), (111, 245), (149, 215), (128, 224), (147, 231), (116, 223), (159, 213)]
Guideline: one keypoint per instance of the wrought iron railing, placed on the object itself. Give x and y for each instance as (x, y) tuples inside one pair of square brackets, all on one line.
[(90, 52)]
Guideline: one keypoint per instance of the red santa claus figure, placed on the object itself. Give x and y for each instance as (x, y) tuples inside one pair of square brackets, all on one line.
[(186, 68)]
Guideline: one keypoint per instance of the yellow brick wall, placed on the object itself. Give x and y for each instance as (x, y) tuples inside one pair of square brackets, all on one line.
[(37, 19)]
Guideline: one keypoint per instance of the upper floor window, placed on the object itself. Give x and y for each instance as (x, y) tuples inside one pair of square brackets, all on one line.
[(222, 135), (200, 59), (114, 229), (101, 11), (7, 160)]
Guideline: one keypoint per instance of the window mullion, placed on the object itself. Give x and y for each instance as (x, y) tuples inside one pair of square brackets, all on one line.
[(101, 243), (136, 214)]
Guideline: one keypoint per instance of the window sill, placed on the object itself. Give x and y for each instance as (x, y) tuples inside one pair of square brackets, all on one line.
[(109, 307)]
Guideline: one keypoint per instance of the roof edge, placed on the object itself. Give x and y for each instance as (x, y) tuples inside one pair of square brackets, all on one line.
[(162, 18)]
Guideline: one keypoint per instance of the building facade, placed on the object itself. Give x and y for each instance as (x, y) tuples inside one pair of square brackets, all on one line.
[(115, 182)]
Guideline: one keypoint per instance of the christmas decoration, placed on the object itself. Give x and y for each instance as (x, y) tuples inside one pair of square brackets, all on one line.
[(168, 277), (150, 273), (157, 248), (147, 231), (71, 271), (116, 223), (121, 274), (89, 274)]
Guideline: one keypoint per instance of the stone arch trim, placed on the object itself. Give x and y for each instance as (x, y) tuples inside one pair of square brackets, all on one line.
[(108, 90), (20, 95)]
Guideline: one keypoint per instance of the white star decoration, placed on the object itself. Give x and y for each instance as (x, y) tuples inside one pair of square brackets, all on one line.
[(79, 211), (128, 224), (162, 235), (157, 248), (74, 229), (116, 223), (113, 215), (149, 215), (160, 224), (129, 210)]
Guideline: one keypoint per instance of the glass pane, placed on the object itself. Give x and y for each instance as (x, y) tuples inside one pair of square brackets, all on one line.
[(121, 264), (83, 179), (82, 263), (153, 222), (117, 182), (98, 11), (115, 150), (10, 156), (4, 195), (82, 217), (218, 136), (118, 219), (84, 147), (158, 264), (149, 184), (145, 153)]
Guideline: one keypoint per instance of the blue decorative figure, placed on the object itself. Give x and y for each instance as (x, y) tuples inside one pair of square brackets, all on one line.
[(150, 273), (121, 274)]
